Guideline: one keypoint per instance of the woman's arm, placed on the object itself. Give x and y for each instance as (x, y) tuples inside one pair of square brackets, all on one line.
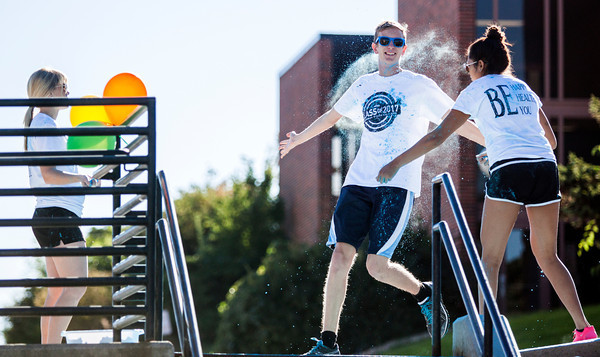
[(453, 120), (53, 176), (321, 124), (548, 132), (470, 131)]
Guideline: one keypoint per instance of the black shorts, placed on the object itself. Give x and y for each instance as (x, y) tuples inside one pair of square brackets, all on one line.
[(49, 237), (529, 182), (381, 212)]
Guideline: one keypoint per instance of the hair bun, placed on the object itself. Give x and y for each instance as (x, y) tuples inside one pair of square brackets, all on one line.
[(494, 32)]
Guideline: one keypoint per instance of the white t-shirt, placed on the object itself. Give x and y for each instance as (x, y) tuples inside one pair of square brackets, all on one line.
[(506, 111), (395, 112), (52, 143)]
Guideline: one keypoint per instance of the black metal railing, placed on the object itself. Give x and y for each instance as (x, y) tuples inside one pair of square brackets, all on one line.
[(177, 273), (492, 315), (114, 163)]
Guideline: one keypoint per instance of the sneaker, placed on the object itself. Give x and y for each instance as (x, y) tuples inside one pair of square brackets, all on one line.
[(427, 311), (588, 333), (321, 350)]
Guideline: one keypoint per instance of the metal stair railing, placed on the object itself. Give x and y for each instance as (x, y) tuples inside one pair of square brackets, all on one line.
[(492, 315), (177, 273), (132, 280)]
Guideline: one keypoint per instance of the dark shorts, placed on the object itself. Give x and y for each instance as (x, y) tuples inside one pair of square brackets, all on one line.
[(530, 182), (49, 237), (382, 213)]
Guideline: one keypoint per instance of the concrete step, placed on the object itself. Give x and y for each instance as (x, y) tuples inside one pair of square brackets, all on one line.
[(142, 349), (589, 348), (286, 355), (464, 344)]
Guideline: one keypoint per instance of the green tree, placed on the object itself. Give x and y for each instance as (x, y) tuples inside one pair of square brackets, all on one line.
[(226, 231), (20, 329), (580, 186)]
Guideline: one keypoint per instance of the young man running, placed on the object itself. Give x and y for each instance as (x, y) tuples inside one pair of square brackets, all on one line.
[(395, 107)]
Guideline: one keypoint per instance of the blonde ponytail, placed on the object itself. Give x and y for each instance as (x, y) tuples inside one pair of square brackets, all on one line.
[(40, 85), (27, 122)]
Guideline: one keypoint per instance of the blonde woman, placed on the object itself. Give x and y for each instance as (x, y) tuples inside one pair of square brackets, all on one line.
[(50, 83)]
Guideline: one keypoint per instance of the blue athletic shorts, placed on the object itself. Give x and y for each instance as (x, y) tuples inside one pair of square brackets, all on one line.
[(49, 237), (380, 212), (529, 182)]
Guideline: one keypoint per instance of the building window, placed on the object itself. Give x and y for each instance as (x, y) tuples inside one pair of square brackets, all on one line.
[(344, 146), (336, 165), (508, 14)]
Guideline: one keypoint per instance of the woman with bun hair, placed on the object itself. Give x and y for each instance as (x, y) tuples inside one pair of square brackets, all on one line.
[(520, 143), (51, 83)]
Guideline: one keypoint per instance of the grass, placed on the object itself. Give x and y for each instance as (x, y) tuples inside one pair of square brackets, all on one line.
[(536, 329)]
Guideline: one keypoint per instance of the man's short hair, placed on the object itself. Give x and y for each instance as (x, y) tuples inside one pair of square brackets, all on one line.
[(389, 23)]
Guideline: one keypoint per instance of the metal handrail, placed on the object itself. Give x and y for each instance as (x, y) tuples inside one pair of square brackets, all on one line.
[(461, 279), (179, 283), (64, 102), (492, 315), (65, 191), (60, 282), (79, 310), (70, 222)]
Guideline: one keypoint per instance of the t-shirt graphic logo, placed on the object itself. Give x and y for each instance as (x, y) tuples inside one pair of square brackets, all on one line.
[(380, 110)]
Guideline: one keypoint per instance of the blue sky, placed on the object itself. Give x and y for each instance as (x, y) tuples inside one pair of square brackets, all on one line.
[(213, 67)]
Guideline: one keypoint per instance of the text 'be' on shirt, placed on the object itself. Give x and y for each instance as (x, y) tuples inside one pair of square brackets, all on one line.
[(506, 111)]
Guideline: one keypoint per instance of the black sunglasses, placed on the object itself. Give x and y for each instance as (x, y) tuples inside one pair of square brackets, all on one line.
[(385, 41)]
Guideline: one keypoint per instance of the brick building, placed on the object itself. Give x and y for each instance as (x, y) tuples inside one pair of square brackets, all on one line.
[(553, 51), (305, 176)]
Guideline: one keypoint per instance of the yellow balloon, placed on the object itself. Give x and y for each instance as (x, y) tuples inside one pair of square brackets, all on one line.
[(85, 113)]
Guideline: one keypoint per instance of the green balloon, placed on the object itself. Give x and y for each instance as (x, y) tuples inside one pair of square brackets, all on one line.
[(91, 142)]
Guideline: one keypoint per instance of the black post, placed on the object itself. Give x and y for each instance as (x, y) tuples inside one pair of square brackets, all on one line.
[(154, 287), (116, 229), (488, 334), (158, 266), (436, 270)]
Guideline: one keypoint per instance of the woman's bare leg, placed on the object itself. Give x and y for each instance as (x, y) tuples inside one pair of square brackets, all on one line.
[(66, 267), (497, 222), (51, 298), (544, 228)]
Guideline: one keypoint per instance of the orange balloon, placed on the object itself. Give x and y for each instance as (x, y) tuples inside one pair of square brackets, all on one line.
[(123, 85), (85, 113)]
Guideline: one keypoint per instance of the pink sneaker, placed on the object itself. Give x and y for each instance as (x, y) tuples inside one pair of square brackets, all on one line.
[(588, 333)]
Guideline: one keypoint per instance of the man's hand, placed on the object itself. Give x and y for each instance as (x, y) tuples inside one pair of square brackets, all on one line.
[(483, 162), (288, 144), (387, 173)]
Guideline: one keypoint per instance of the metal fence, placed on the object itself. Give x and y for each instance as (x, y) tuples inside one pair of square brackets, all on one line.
[(135, 249)]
